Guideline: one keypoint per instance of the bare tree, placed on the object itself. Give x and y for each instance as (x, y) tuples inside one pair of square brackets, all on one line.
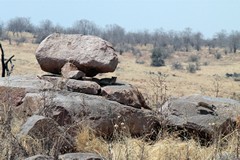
[(176, 41), (1, 29), (114, 33), (197, 39), (186, 35), (20, 24), (85, 27), (46, 27), (221, 39), (234, 41)]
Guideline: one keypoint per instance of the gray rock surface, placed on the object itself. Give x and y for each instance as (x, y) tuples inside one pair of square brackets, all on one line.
[(80, 156), (40, 157), (90, 54), (43, 96), (98, 113), (192, 114)]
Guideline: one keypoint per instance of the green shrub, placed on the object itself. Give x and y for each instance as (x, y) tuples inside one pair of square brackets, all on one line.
[(158, 56), (191, 68), (193, 58), (206, 63), (218, 55), (177, 65)]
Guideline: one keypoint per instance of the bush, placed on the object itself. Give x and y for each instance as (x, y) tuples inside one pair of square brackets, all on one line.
[(191, 68), (177, 65), (138, 61), (206, 63), (193, 58), (197, 64), (218, 55), (158, 56), (136, 52)]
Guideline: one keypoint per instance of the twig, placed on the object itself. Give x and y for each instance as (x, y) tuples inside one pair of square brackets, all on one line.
[(3, 64)]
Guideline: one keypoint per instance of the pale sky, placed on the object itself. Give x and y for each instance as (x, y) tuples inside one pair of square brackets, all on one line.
[(206, 16)]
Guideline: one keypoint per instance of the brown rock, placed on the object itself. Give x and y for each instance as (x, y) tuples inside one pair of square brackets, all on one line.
[(70, 71), (87, 87), (75, 75), (100, 114), (124, 94), (46, 130), (13, 89), (90, 54)]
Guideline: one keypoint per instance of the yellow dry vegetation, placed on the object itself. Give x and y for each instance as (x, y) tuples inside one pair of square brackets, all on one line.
[(167, 148), (179, 82)]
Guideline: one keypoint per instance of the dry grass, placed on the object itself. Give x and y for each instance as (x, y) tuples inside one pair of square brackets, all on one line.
[(168, 148), (179, 82)]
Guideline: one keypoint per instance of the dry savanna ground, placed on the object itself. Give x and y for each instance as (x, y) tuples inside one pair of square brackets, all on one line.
[(209, 80), (179, 82)]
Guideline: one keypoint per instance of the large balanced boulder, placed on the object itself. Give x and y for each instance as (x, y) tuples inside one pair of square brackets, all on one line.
[(90, 54), (201, 116)]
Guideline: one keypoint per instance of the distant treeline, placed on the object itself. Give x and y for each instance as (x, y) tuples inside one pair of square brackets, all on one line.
[(185, 40)]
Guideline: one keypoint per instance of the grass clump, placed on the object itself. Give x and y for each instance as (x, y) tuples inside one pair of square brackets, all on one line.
[(218, 55), (177, 65), (193, 58), (191, 68)]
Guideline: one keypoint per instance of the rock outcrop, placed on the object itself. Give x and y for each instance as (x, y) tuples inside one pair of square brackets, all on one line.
[(97, 112), (74, 102), (201, 116), (90, 54)]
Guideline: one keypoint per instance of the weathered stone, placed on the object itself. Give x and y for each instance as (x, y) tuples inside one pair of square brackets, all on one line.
[(31, 104), (40, 157), (75, 75), (87, 87), (90, 54), (70, 71), (46, 130), (13, 89), (196, 115), (80, 156), (41, 96), (100, 114), (124, 94)]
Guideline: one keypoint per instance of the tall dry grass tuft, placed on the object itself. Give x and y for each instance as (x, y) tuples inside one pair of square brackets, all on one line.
[(166, 148), (86, 141)]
